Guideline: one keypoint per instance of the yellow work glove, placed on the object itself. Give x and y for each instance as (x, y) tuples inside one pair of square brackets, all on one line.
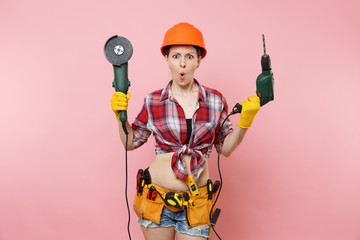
[(249, 109), (119, 101)]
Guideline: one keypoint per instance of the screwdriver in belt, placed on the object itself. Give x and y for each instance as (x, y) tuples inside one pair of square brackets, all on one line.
[(152, 193), (186, 207), (140, 181), (147, 177), (210, 189), (216, 186)]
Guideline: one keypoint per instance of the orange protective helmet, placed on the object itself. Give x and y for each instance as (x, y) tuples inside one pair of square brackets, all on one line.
[(184, 34)]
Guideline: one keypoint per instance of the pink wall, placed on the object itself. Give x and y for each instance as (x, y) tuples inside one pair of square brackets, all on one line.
[(297, 173)]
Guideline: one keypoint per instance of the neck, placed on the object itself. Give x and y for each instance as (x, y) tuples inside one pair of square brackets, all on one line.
[(184, 90)]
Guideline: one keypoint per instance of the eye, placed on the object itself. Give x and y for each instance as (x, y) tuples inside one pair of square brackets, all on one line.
[(175, 56), (190, 56)]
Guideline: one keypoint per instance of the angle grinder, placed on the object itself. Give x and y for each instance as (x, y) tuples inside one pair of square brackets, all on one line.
[(118, 51)]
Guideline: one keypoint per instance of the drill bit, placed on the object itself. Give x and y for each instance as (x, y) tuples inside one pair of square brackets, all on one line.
[(263, 36)]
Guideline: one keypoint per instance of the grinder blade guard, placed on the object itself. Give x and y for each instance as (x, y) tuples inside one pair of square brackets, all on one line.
[(118, 51)]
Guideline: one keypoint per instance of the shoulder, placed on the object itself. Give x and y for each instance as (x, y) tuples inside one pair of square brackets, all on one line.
[(154, 96), (156, 92), (212, 91), (213, 94)]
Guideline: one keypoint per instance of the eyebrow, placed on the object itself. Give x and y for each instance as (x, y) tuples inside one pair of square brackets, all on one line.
[(191, 52)]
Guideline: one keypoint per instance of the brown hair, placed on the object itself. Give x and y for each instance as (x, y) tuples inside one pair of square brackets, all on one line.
[(198, 50)]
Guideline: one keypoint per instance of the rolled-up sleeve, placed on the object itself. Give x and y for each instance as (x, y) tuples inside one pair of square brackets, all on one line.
[(140, 131), (226, 128)]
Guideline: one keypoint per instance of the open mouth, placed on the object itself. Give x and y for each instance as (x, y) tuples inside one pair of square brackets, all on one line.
[(182, 75)]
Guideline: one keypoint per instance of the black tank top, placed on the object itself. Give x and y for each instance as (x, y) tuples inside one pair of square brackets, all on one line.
[(189, 130)]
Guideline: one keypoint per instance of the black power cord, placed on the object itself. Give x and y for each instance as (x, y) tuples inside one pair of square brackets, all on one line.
[(236, 109), (126, 178)]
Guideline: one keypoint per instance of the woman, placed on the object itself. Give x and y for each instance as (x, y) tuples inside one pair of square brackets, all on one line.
[(185, 119)]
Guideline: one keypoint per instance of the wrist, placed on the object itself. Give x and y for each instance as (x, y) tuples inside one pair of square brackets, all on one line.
[(244, 124)]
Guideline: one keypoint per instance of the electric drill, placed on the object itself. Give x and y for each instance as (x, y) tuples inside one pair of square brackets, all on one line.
[(264, 82)]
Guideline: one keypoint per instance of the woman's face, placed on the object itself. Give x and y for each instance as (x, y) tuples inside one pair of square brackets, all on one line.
[(182, 61)]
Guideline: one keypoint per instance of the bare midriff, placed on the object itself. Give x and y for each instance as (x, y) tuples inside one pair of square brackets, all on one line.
[(163, 175)]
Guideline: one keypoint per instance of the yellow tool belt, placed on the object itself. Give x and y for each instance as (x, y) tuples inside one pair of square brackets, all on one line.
[(198, 207)]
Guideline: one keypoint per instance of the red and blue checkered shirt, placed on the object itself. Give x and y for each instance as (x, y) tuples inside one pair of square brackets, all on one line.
[(162, 115)]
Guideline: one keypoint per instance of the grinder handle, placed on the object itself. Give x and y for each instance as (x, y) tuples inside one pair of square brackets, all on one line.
[(121, 84)]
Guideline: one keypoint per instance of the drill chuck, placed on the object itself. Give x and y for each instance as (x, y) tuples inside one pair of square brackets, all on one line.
[(265, 63)]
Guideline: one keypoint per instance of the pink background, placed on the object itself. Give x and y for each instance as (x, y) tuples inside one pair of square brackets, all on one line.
[(296, 175)]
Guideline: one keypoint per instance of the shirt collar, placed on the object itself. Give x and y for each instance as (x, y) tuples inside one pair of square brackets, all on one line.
[(166, 93)]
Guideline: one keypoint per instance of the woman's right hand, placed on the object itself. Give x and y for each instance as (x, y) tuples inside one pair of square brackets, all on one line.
[(119, 102)]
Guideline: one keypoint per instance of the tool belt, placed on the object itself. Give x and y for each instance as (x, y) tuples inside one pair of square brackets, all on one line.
[(150, 199)]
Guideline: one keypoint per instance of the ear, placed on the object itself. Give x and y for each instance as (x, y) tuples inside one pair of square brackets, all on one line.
[(199, 61), (167, 60)]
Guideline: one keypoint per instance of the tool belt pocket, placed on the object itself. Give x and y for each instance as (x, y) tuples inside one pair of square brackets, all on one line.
[(199, 213), (148, 209)]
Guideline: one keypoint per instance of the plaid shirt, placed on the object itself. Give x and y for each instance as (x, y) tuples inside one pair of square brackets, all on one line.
[(164, 117)]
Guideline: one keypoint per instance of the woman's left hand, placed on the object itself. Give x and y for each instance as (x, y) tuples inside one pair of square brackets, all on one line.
[(249, 109)]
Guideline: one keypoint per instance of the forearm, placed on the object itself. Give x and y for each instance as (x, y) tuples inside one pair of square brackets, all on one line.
[(249, 109), (233, 140), (130, 145)]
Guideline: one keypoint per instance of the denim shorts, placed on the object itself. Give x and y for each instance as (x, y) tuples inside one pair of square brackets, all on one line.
[(178, 221)]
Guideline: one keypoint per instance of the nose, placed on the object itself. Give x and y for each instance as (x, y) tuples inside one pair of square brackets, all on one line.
[(182, 62)]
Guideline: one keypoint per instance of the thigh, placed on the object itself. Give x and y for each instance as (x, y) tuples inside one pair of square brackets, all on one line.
[(159, 233), (182, 236), (185, 233)]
